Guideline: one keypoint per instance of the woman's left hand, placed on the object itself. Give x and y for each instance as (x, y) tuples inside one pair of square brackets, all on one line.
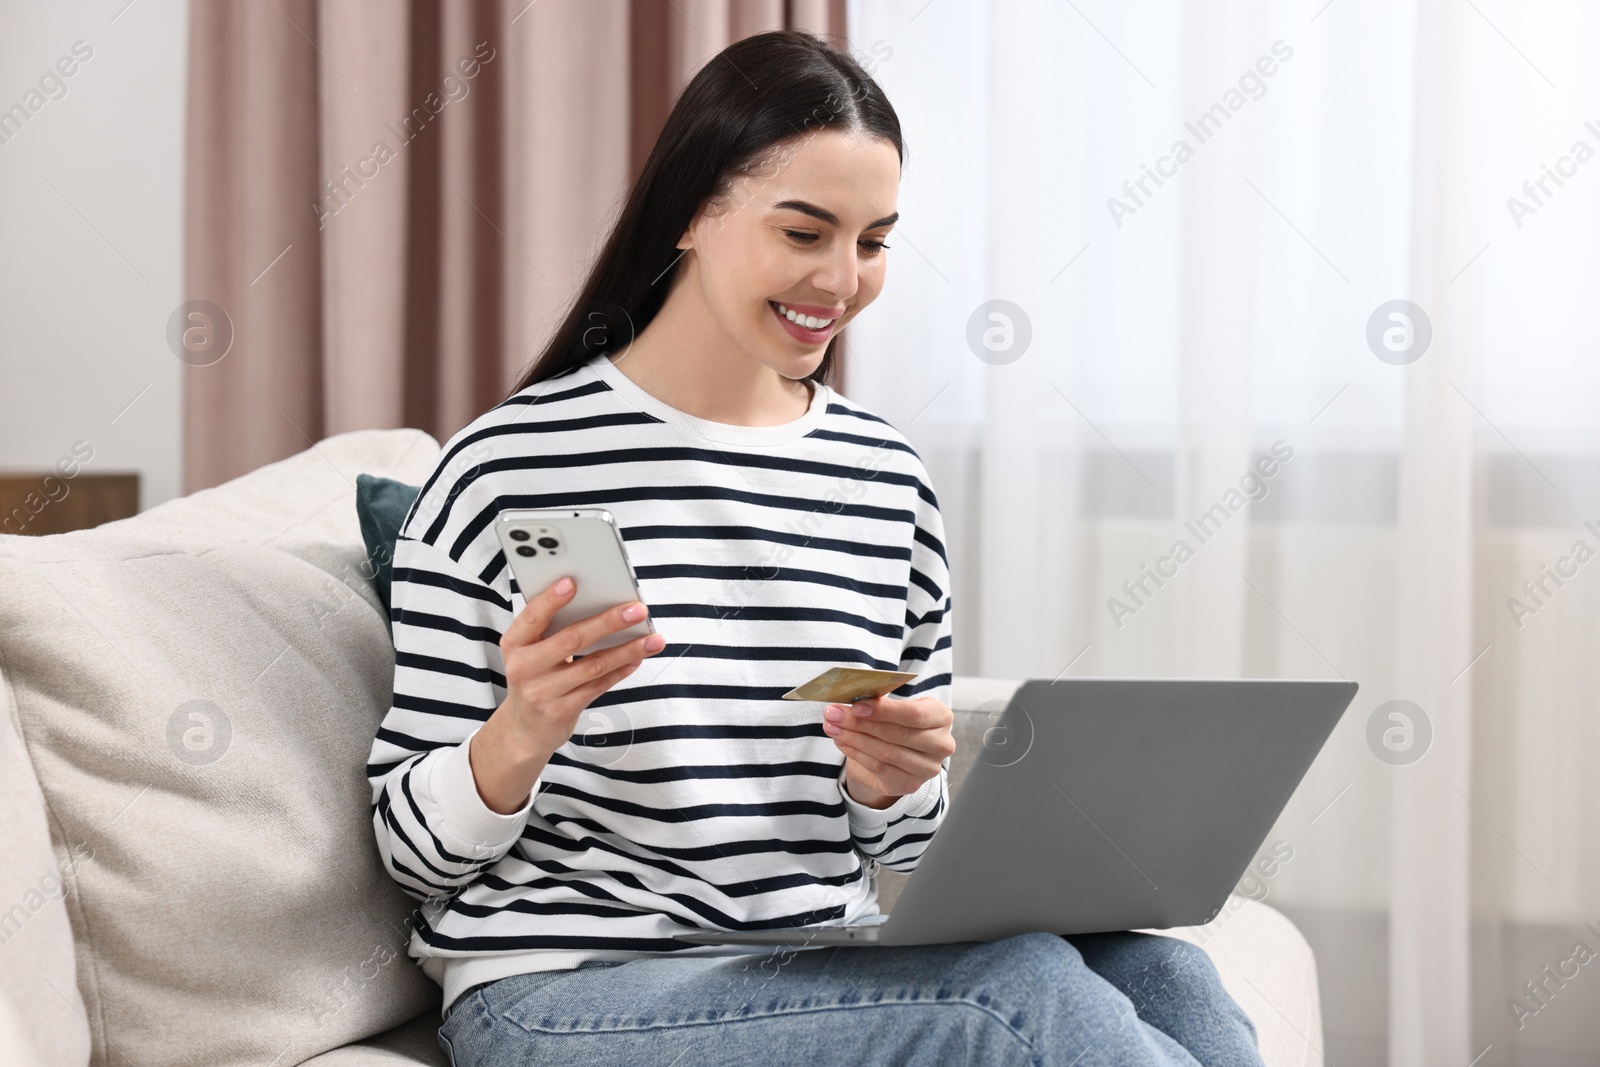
[(891, 746)]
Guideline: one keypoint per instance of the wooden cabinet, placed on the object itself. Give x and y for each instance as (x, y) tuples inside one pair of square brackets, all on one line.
[(38, 503)]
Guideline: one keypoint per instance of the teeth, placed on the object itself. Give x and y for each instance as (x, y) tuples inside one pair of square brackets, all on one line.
[(808, 321)]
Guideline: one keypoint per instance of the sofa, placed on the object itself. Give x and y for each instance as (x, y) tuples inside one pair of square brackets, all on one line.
[(187, 868)]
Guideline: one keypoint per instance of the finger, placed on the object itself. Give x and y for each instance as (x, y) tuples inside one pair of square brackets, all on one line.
[(574, 637), (934, 739), (923, 765), (530, 623), (882, 776), (917, 713), (581, 697), (862, 769), (583, 670), (908, 761)]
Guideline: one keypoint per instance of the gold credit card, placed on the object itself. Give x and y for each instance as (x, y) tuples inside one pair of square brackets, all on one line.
[(845, 685)]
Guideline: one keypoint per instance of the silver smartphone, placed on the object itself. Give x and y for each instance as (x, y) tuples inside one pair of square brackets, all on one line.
[(583, 543)]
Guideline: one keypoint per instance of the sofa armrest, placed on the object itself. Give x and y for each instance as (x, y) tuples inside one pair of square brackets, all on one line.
[(1268, 967)]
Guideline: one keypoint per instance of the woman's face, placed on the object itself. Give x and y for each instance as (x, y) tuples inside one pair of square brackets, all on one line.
[(802, 229)]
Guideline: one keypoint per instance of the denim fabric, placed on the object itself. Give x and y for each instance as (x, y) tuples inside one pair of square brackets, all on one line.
[(1099, 1000)]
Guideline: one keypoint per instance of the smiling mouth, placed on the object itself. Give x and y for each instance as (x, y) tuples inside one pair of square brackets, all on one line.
[(802, 327)]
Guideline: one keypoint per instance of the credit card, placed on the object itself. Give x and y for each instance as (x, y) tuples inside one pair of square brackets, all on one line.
[(845, 685)]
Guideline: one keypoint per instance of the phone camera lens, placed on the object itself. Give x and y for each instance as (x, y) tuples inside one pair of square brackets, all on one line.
[(519, 535), (548, 542), (524, 550)]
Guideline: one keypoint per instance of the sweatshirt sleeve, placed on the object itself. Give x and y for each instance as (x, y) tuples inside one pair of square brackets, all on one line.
[(434, 832), (897, 836)]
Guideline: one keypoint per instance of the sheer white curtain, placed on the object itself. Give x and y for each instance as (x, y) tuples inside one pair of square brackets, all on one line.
[(1192, 311)]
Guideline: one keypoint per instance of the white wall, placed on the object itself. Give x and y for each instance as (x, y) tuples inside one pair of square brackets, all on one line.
[(91, 194)]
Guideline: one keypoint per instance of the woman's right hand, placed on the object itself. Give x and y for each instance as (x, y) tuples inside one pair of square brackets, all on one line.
[(547, 689)]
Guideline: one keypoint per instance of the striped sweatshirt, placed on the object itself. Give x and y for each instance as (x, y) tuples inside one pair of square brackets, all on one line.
[(691, 796)]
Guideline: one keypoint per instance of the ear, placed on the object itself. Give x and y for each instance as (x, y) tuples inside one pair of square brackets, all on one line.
[(686, 241), (701, 215)]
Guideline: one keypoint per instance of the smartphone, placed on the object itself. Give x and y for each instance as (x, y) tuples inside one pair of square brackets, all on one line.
[(583, 543)]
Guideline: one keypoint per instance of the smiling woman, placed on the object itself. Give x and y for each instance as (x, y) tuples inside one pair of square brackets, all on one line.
[(753, 235), (568, 817), (762, 286)]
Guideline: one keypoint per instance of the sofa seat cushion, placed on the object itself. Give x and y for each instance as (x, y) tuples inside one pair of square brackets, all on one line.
[(1262, 958), (411, 1043), (198, 687)]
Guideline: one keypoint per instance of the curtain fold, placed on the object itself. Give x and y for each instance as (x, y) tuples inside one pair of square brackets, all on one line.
[(251, 246), (392, 204), (1431, 952)]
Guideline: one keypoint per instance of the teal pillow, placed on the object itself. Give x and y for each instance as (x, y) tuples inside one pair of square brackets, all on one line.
[(381, 505)]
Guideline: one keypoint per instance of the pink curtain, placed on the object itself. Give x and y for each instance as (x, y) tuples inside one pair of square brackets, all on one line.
[(390, 203)]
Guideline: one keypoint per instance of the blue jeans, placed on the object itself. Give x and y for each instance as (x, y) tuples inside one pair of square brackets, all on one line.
[(1094, 1000)]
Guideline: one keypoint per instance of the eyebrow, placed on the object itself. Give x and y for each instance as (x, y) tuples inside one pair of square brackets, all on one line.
[(827, 216)]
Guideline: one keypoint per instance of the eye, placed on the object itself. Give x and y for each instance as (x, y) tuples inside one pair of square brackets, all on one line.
[(872, 247)]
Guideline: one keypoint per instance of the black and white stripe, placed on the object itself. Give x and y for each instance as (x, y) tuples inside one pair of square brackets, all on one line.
[(691, 795)]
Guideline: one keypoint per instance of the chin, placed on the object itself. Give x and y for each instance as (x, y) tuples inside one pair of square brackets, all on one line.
[(805, 364), (792, 364)]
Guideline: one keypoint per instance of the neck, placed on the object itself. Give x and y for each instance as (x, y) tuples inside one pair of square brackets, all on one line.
[(684, 358)]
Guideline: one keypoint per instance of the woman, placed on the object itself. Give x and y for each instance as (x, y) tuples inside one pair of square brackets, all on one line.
[(562, 816)]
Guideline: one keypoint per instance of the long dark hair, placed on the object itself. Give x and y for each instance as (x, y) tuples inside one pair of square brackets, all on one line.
[(733, 117)]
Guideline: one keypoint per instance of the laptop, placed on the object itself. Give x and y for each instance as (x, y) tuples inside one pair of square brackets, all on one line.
[(1098, 804)]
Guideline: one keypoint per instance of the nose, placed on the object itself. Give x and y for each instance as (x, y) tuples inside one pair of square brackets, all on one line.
[(839, 276)]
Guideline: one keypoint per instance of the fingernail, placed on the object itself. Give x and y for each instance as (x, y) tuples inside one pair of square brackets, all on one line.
[(633, 612), (655, 643), (863, 710), (832, 728), (834, 713), (564, 586)]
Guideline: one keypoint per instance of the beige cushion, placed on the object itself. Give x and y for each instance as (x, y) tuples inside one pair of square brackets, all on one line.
[(198, 687), (41, 1012)]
